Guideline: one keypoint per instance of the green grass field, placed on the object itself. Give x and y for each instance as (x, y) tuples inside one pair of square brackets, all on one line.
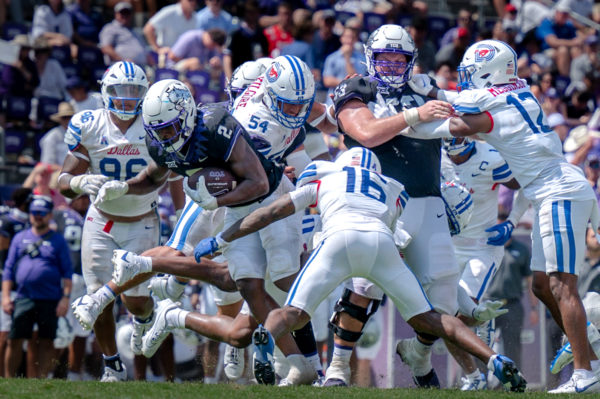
[(50, 389)]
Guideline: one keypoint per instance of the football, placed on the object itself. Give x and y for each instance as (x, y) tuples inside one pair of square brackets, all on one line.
[(218, 181)]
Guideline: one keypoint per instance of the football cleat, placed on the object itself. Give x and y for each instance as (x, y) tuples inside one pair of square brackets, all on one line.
[(127, 265), (424, 375), (139, 329), (564, 356), (112, 375), (506, 371), (262, 359), (166, 287), (86, 309), (234, 361), (160, 329), (337, 374), (478, 384), (301, 370), (579, 384)]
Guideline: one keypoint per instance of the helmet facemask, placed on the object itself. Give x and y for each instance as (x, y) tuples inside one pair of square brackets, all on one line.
[(125, 100), (171, 135), (458, 146), (394, 74), (288, 120)]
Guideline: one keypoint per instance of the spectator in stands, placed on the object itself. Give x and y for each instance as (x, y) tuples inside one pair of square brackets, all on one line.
[(418, 30), (507, 284), (452, 53), (10, 224), (52, 144), (280, 34), (53, 81), (558, 123), (579, 107), (325, 40), (464, 20), (119, 42), (21, 78), (41, 181), (39, 266), (168, 24), (213, 16), (52, 22), (248, 42), (588, 62), (198, 50), (87, 23), (343, 62), (560, 39), (444, 76), (300, 47), (592, 172), (81, 98)]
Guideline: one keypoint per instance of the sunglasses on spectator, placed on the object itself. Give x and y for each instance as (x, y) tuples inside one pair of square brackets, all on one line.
[(594, 164), (39, 213)]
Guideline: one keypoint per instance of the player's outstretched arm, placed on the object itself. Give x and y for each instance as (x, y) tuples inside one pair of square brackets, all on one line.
[(152, 177), (73, 179)]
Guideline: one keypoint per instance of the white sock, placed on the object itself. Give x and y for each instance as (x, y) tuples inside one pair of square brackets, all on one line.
[(595, 364), (342, 353), (175, 287), (421, 348), (104, 295), (177, 317), (145, 263), (583, 373), (315, 360), (473, 376)]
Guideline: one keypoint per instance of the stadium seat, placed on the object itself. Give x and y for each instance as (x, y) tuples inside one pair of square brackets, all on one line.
[(343, 16), (12, 29), (17, 108), (46, 107), (372, 21), (165, 73), (404, 20), (62, 54), (198, 79), (206, 96), (14, 141), (90, 57)]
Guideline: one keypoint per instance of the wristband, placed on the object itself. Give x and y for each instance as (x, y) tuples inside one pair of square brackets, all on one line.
[(331, 118), (411, 116), (221, 241)]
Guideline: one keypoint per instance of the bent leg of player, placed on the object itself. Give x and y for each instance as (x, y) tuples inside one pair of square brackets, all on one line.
[(430, 255), (562, 227)]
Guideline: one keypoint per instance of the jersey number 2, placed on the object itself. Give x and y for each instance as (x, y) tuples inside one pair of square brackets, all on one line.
[(365, 184)]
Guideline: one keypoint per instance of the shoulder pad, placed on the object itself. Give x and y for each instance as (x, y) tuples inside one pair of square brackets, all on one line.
[(316, 170), (472, 101), (362, 88)]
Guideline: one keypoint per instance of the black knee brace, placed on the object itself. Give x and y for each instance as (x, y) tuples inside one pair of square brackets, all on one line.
[(359, 313)]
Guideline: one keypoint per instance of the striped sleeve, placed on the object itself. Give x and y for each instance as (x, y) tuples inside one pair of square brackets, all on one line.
[(502, 173)]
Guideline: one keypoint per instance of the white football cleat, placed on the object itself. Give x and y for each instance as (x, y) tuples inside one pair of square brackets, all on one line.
[(301, 371), (234, 361), (337, 374), (86, 309), (139, 329), (112, 375), (577, 384), (166, 287), (128, 265), (478, 384), (160, 329)]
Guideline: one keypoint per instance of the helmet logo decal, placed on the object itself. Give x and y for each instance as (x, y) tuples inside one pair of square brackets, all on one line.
[(484, 53), (177, 95), (274, 72)]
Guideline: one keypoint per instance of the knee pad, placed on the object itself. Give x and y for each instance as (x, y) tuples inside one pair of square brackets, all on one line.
[(359, 313)]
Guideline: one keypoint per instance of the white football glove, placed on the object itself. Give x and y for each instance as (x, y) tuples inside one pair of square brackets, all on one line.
[(111, 190), (200, 195), (87, 184), (421, 84), (488, 310)]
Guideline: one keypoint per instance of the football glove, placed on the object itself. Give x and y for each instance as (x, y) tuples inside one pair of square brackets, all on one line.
[(200, 195), (87, 184), (503, 232), (488, 310), (111, 190), (421, 84), (209, 246)]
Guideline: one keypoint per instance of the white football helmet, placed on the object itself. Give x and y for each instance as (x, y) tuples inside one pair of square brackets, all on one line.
[(265, 61), (458, 145), (242, 77), (359, 156), (459, 206), (169, 113), (124, 81), (289, 81), (390, 39), (487, 63)]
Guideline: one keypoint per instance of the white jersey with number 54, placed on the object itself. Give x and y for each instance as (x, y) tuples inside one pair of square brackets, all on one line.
[(521, 134), (113, 154)]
